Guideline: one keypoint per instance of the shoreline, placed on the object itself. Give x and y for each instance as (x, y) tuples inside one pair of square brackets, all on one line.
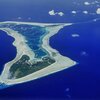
[(61, 63), (21, 47), (36, 23)]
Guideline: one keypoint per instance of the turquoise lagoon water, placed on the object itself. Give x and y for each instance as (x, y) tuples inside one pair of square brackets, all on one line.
[(33, 36)]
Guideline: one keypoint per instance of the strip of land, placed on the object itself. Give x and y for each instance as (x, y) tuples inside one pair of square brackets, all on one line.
[(61, 62)]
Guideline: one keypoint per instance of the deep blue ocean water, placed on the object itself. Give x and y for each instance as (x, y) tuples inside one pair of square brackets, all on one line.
[(81, 81), (7, 50)]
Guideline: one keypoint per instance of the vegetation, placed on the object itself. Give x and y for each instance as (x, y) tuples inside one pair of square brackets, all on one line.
[(23, 67)]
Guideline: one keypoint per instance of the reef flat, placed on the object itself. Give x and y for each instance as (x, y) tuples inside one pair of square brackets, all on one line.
[(35, 58)]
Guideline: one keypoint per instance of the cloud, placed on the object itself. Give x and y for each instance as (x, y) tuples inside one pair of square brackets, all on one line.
[(86, 3), (85, 12), (73, 12), (19, 18), (84, 53), (98, 11), (29, 18), (91, 3), (75, 35), (61, 14), (53, 13)]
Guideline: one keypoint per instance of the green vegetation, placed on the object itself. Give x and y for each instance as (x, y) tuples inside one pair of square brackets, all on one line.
[(23, 67)]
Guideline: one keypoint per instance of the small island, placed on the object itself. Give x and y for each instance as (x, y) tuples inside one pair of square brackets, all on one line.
[(35, 58)]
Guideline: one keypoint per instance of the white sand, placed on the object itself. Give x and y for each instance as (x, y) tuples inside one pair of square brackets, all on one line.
[(22, 48), (36, 23), (60, 64)]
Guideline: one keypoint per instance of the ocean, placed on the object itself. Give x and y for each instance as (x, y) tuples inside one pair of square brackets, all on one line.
[(78, 82), (7, 50)]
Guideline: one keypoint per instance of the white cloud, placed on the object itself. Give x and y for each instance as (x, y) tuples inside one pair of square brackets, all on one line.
[(86, 3), (94, 20), (85, 12), (91, 3), (19, 18), (67, 89), (75, 35), (73, 12), (84, 53), (29, 18), (53, 13), (61, 14), (98, 11), (95, 2)]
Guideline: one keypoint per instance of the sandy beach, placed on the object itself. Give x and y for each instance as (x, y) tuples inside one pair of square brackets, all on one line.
[(37, 24), (61, 63), (22, 48)]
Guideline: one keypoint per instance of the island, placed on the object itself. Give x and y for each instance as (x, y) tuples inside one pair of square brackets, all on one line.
[(35, 57)]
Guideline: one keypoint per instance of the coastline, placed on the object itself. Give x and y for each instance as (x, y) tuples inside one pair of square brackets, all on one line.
[(61, 61), (22, 48), (36, 23)]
